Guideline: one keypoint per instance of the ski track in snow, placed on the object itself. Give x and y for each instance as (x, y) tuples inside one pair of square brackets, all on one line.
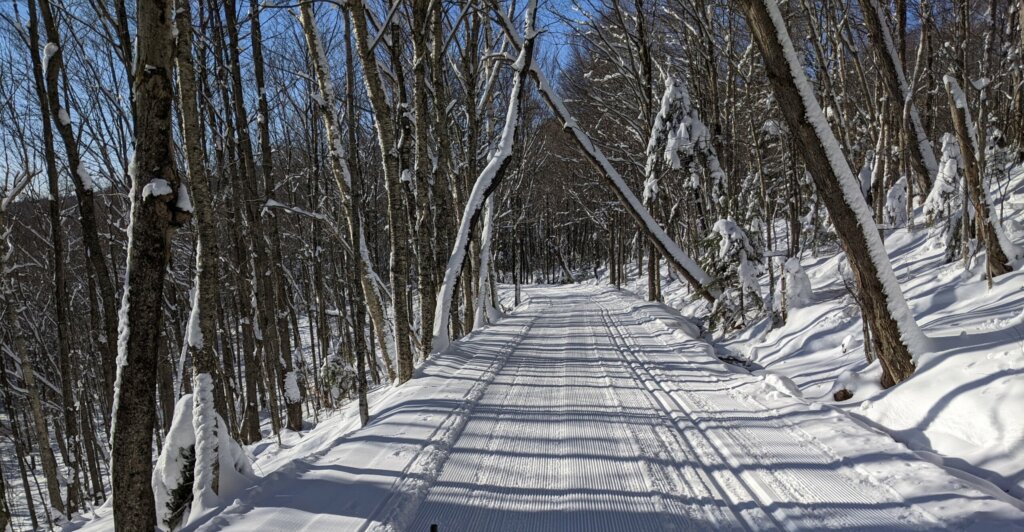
[(584, 411)]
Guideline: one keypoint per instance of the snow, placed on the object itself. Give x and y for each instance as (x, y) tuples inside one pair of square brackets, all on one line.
[(484, 311), (84, 176), (193, 331), (156, 187), (734, 247), (62, 116), (798, 286), (184, 202), (123, 322), (674, 105), (895, 209), (291, 388), (234, 471), (865, 174), (169, 469), (588, 408), (49, 51), (910, 332), (947, 182), (961, 408)]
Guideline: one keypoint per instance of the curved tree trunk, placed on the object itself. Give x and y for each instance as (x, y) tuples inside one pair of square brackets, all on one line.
[(489, 179), (1000, 252), (679, 260), (894, 78)]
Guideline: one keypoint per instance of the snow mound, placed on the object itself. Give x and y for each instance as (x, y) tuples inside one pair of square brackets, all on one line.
[(172, 475), (963, 405)]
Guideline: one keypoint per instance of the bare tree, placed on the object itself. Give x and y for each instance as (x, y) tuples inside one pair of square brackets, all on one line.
[(156, 210)]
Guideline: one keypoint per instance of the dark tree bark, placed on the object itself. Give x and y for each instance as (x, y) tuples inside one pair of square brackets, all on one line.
[(154, 215), (424, 228), (84, 190), (59, 272), (206, 371), (397, 218), (894, 78)]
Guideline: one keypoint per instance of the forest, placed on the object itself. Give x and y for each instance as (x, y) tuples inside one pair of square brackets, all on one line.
[(225, 221)]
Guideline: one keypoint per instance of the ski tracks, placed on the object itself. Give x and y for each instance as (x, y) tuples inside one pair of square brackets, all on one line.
[(604, 418), (407, 492), (772, 475), (592, 411)]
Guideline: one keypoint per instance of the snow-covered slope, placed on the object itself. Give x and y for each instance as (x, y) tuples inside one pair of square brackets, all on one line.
[(963, 405)]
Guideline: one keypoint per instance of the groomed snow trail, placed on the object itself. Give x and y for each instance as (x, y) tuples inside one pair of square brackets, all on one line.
[(590, 410)]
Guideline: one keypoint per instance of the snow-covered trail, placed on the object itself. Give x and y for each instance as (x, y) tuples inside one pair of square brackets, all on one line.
[(590, 410)]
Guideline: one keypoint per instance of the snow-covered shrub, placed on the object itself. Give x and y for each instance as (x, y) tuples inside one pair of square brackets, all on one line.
[(798, 285), (865, 174), (736, 266), (175, 469), (291, 387), (735, 251), (998, 160), (685, 139), (338, 377), (943, 199), (944, 204), (896, 204)]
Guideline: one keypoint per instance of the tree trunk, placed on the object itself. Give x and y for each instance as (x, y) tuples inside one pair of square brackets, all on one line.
[(208, 407), (262, 267), (1000, 252), (489, 179), (922, 156), (425, 232), (154, 215), (277, 296), (84, 190), (59, 269), (347, 186), (397, 218), (897, 335)]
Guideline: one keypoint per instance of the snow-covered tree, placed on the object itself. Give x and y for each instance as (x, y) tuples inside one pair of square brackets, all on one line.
[(895, 210), (737, 265)]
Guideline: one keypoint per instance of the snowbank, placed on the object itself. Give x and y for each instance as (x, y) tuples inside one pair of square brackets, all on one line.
[(963, 405)]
